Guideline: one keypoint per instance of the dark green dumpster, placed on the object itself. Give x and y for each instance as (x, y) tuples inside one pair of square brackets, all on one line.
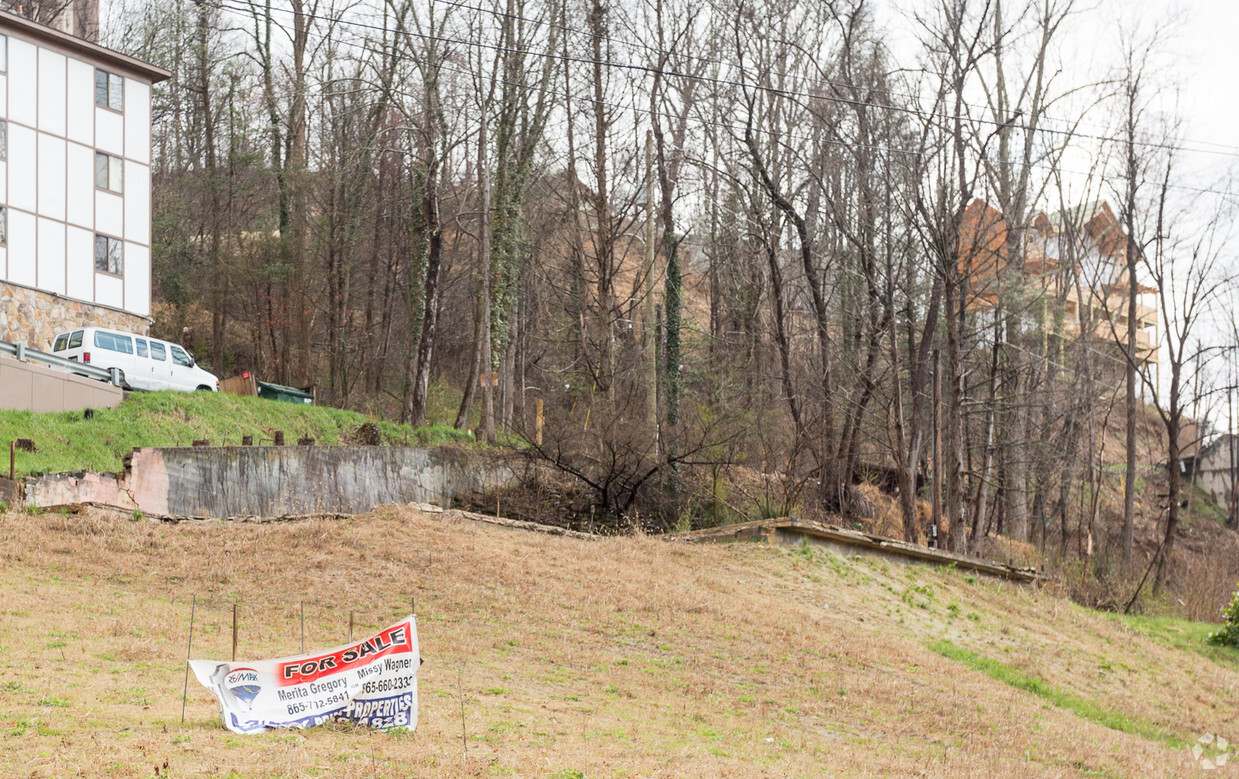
[(283, 394)]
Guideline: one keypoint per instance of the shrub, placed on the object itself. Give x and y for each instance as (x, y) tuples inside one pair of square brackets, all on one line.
[(1228, 634)]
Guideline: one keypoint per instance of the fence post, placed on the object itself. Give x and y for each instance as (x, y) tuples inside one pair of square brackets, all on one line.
[(189, 652)]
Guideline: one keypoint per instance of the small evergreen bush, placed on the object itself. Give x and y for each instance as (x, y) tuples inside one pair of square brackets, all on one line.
[(1228, 634)]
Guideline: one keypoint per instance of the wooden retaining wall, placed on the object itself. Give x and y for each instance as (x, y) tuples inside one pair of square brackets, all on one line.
[(792, 531)]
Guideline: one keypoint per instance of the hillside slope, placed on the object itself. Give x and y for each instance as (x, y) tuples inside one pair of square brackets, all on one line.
[(69, 441), (549, 656)]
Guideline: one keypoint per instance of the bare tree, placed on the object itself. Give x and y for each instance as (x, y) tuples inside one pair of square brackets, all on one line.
[(1189, 277)]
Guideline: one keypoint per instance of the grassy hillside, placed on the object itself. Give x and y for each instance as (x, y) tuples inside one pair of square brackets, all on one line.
[(70, 442), (556, 657)]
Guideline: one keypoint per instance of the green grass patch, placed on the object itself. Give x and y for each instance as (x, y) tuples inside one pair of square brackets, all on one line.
[(1181, 634), (1203, 508), (67, 441), (1085, 709)]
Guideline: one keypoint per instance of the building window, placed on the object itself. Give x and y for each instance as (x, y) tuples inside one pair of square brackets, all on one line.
[(109, 172), (4, 226), (109, 255), (109, 90), (4, 140)]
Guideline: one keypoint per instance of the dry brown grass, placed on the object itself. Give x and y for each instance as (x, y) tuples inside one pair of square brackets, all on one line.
[(620, 657)]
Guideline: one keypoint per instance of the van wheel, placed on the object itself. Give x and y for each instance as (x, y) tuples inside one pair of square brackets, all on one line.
[(203, 387)]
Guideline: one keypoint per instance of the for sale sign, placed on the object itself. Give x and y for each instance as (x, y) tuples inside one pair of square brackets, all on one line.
[(372, 682)]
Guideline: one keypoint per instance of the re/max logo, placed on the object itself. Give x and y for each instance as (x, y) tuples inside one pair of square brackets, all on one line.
[(241, 676)]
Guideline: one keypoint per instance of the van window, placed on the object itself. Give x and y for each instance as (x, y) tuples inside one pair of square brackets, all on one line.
[(75, 339), (180, 357), (141, 347), (114, 342), (62, 342), (157, 351)]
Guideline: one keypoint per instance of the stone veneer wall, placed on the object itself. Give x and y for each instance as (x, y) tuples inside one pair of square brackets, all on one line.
[(34, 318)]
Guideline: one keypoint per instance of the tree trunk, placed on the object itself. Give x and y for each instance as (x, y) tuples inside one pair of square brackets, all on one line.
[(415, 411)]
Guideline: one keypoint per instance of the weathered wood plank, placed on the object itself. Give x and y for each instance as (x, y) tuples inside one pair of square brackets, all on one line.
[(790, 530)]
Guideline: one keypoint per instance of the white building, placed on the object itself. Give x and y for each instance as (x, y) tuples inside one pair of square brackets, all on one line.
[(75, 184), (1214, 469)]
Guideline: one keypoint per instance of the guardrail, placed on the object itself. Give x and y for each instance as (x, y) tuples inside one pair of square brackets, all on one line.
[(24, 354)]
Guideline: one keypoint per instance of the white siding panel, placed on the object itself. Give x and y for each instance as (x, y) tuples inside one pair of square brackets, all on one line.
[(4, 257), (137, 120), (81, 118), (51, 177), (22, 171), (137, 279), (109, 213), (109, 290), (109, 131), (23, 67), (51, 256), (81, 261), (4, 89), (81, 183), (51, 92), (21, 247), (137, 203), (4, 182)]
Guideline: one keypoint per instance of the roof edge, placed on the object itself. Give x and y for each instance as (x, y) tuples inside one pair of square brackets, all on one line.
[(42, 32)]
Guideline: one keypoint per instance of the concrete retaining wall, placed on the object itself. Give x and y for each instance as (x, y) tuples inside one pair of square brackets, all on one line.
[(67, 489), (25, 386), (274, 481)]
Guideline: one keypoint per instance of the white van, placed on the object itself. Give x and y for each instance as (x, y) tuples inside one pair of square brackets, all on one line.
[(145, 363)]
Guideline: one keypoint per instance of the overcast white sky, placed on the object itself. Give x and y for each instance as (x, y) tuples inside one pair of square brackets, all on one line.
[(1198, 65), (1208, 60)]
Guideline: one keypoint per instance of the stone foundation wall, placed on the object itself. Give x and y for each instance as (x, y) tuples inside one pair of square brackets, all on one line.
[(34, 318)]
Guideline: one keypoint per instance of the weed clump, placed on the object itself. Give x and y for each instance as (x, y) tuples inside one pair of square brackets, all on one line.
[(1228, 634)]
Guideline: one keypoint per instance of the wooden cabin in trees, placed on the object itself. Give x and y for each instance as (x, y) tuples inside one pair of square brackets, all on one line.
[(1070, 273)]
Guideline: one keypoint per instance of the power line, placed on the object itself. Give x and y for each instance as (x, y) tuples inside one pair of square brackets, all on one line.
[(646, 47), (1220, 151), (223, 5)]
